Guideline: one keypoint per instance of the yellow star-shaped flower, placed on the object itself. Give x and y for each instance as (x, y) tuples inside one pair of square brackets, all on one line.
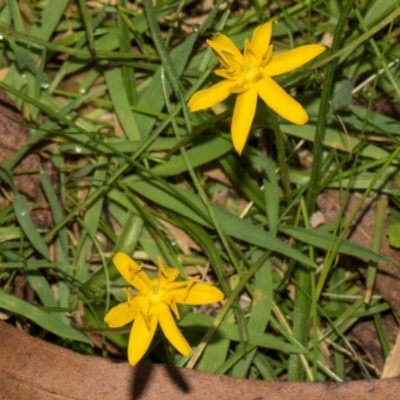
[(249, 75), (153, 304)]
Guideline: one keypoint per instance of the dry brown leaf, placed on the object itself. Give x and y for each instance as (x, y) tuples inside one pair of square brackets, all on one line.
[(218, 175), (183, 240), (391, 368)]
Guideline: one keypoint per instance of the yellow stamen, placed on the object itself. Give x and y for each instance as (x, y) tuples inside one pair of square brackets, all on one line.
[(127, 291)]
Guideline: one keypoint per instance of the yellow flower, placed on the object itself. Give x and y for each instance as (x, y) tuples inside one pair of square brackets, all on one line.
[(249, 76), (152, 304)]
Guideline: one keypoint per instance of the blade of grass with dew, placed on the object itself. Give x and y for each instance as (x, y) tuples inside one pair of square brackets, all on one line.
[(22, 213)]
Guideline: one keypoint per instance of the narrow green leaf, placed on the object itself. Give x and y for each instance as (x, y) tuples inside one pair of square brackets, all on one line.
[(50, 17), (55, 207), (6, 177), (335, 139), (208, 150), (379, 9), (23, 58), (41, 318), (43, 289), (87, 22), (260, 311), (21, 208), (115, 84), (323, 240), (128, 72)]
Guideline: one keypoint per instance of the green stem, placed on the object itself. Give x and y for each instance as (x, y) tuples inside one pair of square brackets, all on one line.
[(280, 146)]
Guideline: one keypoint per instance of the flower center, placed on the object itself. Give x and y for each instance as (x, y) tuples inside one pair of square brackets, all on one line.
[(156, 293), (250, 72)]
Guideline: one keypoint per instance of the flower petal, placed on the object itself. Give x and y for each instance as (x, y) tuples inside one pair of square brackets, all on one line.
[(243, 114), (211, 96), (199, 293), (140, 338), (279, 101), (224, 42), (261, 39), (166, 274), (131, 271), (120, 315), (171, 330), (292, 59)]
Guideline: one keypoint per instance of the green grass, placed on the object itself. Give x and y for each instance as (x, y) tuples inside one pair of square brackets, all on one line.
[(104, 89)]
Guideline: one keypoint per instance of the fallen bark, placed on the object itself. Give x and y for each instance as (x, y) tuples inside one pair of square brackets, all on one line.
[(32, 369)]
